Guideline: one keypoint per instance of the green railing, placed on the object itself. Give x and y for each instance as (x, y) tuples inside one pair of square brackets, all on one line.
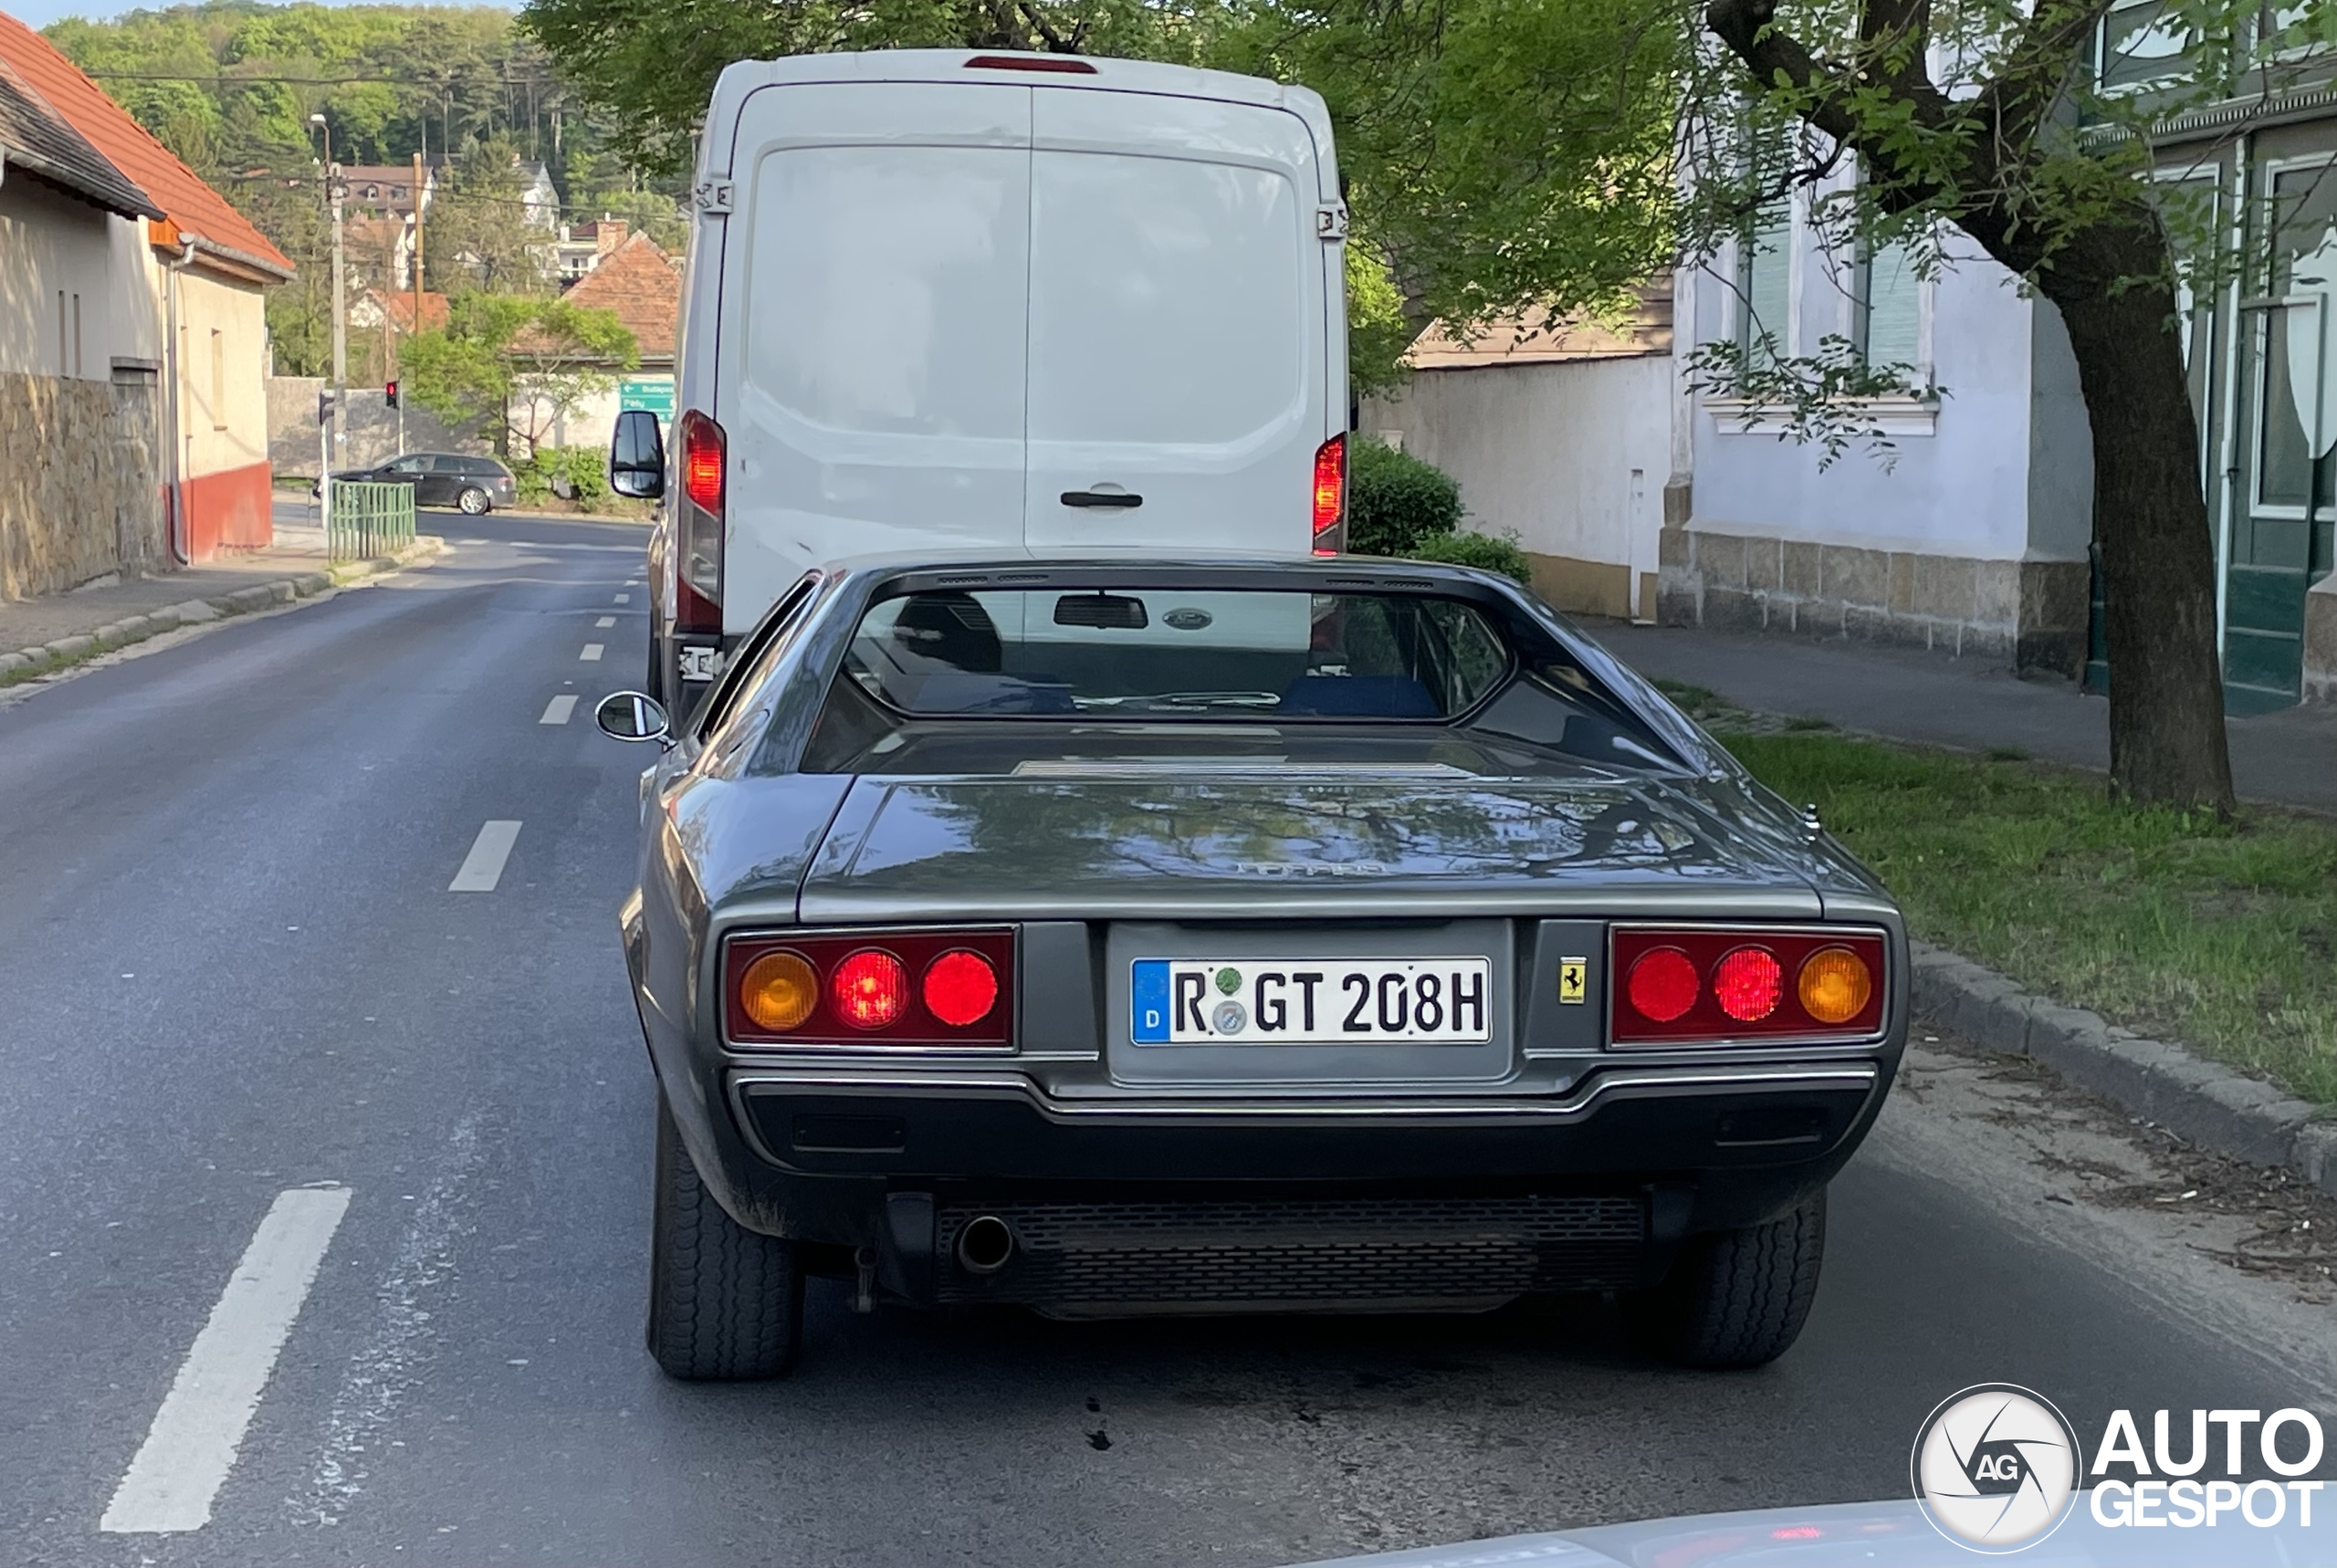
[(370, 520)]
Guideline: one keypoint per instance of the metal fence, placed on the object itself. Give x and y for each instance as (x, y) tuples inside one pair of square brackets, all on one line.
[(370, 520)]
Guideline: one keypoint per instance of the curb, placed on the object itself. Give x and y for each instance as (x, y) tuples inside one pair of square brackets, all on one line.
[(26, 663), (2208, 1104)]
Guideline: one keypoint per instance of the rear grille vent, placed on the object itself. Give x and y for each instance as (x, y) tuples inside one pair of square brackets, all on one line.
[(1262, 1253)]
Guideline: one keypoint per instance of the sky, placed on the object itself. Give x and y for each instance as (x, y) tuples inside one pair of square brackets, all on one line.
[(41, 13)]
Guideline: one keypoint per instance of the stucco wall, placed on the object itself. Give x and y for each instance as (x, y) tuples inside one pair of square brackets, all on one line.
[(369, 426), (51, 244), (222, 365), (1570, 455), (81, 482)]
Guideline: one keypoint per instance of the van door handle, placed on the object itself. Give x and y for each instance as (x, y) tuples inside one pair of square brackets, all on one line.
[(1113, 499)]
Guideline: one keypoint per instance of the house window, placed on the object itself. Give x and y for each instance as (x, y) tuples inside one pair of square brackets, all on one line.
[(1891, 309), (218, 380), (1764, 287), (2139, 43)]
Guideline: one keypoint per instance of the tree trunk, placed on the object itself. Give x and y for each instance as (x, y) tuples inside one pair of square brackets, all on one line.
[(2167, 743)]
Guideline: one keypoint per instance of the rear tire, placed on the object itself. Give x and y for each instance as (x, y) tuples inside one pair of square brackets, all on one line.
[(725, 1303), (1737, 1297), (473, 501)]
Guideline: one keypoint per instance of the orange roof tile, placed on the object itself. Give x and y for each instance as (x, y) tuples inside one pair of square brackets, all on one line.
[(398, 305), (194, 208), (643, 286)]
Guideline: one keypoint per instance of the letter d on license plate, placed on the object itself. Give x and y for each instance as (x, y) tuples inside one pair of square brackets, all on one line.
[(1310, 1002)]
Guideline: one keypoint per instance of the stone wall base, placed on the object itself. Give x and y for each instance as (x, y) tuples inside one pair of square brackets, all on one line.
[(2030, 613), (81, 482), (2321, 641)]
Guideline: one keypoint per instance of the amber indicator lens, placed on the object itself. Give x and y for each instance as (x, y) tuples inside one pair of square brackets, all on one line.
[(1749, 983), (1664, 985), (778, 990), (1835, 984), (869, 989), (961, 987)]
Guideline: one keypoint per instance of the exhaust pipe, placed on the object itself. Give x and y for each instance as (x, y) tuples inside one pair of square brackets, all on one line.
[(985, 1245)]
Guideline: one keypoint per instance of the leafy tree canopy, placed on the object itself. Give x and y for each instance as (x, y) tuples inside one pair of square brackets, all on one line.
[(521, 362)]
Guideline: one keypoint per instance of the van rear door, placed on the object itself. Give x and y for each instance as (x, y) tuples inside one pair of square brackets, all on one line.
[(1177, 340), (874, 283)]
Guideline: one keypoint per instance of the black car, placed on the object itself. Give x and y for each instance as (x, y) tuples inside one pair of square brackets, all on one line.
[(473, 484)]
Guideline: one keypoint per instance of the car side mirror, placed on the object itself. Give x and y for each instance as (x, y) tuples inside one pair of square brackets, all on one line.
[(637, 456), (631, 716)]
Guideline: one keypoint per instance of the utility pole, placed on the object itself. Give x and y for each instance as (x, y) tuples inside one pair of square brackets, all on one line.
[(335, 189), (413, 326)]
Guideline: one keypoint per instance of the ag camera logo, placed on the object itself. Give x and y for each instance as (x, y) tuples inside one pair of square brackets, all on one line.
[(1996, 1468)]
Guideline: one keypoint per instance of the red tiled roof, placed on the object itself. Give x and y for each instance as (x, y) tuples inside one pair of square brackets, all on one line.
[(194, 208), (643, 286), (34, 140), (399, 307)]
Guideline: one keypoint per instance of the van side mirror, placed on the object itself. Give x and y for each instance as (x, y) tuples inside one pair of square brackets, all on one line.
[(637, 456), (631, 716)]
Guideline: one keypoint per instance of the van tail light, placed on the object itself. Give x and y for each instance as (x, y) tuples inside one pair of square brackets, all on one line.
[(1331, 497), (871, 988), (1062, 65), (698, 604), (1686, 985)]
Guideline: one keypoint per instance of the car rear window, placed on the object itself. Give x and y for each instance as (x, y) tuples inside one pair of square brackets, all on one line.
[(1173, 654)]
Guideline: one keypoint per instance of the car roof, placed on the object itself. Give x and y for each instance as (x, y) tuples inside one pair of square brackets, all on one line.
[(1316, 572)]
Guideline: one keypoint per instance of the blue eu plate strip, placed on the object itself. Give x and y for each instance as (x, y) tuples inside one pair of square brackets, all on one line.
[(1148, 1001)]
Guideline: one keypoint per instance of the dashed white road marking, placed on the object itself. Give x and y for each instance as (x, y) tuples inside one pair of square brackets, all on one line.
[(632, 582), (483, 867), (624, 598), (191, 1447), (557, 710), (592, 652), (606, 621)]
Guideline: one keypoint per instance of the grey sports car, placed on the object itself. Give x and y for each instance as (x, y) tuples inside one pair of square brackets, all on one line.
[(1235, 936)]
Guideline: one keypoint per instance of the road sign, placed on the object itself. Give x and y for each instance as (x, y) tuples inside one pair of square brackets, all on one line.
[(655, 393)]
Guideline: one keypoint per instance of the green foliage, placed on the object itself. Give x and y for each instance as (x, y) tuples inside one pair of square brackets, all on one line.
[(1394, 500), (1377, 333), (2211, 930), (521, 361), (1461, 548), (654, 67), (578, 474)]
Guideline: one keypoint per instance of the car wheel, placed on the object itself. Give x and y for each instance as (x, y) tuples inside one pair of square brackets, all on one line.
[(725, 1302), (473, 500), (1738, 1298)]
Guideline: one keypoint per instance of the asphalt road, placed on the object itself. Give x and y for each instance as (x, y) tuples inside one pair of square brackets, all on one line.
[(232, 968)]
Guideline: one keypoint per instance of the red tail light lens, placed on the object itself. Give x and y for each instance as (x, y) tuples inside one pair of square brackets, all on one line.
[(1685, 985), (699, 542), (857, 988), (1664, 985), (1063, 64), (1331, 497), (869, 989), (961, 987), (1748, 984)]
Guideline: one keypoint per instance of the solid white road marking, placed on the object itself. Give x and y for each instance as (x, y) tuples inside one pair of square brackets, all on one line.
[(557, 710), (191, 1445), (606, 621), (592, 652), (483, 867), (624, 598)]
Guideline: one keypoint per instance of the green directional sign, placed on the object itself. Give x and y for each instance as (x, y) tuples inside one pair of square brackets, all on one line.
[(655, 393)]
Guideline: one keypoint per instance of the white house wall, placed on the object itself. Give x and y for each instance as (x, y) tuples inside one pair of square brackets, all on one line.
[(51, 244), (1569, 455)]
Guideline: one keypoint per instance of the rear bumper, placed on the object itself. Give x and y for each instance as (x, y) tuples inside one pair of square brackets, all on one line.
[(1125, 1205)]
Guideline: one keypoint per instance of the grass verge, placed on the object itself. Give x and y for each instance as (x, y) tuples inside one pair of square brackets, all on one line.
[(2175, 923)]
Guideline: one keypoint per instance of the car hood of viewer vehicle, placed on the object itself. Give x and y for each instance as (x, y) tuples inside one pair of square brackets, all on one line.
[(1870, 1536), (1378, 842)]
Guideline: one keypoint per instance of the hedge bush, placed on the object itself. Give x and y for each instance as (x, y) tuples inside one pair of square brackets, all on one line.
[(1394, 500), (574, 473), (1481, 551)]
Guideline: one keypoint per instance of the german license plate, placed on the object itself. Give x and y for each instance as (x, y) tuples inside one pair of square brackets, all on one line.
[(1311, 1001)]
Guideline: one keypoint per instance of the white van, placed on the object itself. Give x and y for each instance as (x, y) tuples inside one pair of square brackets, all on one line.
[(942, 299)]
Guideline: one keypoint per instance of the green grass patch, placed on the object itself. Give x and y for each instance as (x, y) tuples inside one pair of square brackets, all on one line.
[(2215, 934)]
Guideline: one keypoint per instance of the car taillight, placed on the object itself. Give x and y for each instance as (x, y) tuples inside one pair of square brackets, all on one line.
[(1685, 985), (697, 605), (1331, 497), (1062, 65), (881, 987)]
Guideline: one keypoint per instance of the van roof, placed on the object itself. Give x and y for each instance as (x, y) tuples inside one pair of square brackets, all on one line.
[(1110, 74)]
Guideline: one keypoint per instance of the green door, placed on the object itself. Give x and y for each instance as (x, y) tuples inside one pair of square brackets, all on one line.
[(2286, 492)]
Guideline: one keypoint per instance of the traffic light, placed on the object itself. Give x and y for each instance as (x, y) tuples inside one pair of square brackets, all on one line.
[(324, 408), (392, 390)]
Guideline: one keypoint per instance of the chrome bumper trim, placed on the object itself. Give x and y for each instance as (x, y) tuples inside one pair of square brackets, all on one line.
[(1639, 1083)]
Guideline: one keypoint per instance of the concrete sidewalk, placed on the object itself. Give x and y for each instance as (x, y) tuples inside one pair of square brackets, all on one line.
[(2288, 757), (40, 635)]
